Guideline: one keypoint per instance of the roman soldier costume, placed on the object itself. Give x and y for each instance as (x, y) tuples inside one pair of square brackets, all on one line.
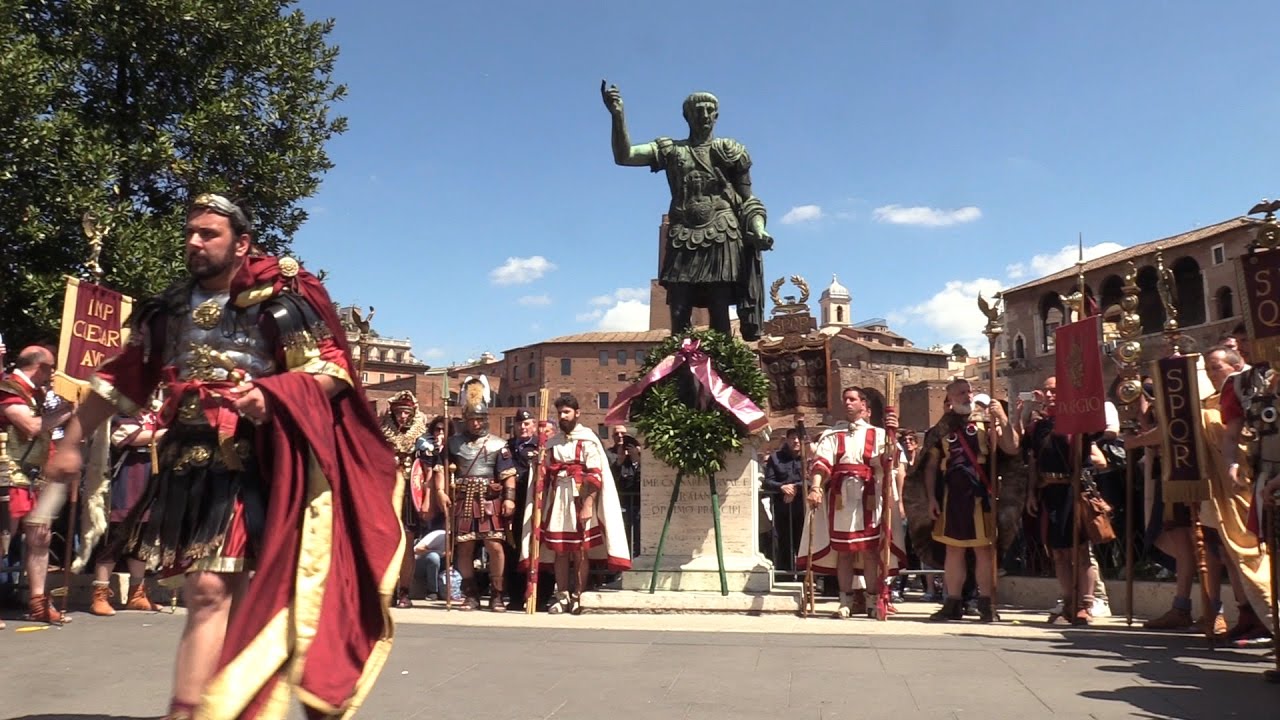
[(850, 519), (131, 470), (23, 456), (406, 439), (20, 467), (958, 448), (575, 469), (405, 435), (308, 500), (484, 477)]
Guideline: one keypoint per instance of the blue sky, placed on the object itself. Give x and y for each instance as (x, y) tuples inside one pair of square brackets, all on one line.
[(919, 150)]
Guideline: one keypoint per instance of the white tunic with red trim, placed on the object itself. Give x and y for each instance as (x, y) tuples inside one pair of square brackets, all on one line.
[(574, 464), (849, 457)]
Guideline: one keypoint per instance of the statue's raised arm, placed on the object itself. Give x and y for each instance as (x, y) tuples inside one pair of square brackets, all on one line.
[(624, 153)]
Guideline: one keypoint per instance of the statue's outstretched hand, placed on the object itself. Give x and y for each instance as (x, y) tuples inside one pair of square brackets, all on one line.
[(762, 240), (612, 97)]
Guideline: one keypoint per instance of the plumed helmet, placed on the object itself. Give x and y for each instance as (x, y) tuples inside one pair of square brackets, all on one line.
[(475, 397)]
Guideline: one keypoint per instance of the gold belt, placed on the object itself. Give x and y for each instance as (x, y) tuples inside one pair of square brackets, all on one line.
[(1055, 479)]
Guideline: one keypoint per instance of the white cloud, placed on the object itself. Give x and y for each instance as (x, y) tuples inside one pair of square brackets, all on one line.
[(620, 295), (802, 214), (623, 310), (518, 271), (925, 216), (953, 315), (626, 316), (533, 300), (1042, 265), (431, 354)]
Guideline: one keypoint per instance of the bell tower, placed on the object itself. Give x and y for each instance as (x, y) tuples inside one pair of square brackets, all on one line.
[(835, 305)]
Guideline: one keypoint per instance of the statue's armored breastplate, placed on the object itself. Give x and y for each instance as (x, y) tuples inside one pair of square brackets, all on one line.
[(475, 458), (700, 213), (210, 341)]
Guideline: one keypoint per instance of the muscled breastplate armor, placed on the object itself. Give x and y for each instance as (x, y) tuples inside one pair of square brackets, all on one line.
[(211, 341), (475, 458), (700, 212)]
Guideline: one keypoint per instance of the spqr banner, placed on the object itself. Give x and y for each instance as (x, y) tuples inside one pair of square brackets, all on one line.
[(1184, 454)]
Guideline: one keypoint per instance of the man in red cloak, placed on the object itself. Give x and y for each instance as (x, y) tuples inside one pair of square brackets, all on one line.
[(272, 463)]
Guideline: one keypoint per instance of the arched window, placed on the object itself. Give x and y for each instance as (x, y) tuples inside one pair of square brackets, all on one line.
[(1020, 348), (1150, 309), (1051, 316), (1112, 292), (839, 314), (1190, 288), (1224, 300)]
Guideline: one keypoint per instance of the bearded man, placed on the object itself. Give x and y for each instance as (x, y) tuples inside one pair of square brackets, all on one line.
[(581, 516), (272, 463), (958, 449)]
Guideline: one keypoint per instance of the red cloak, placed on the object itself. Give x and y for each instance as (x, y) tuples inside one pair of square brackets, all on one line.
[(315, 621)]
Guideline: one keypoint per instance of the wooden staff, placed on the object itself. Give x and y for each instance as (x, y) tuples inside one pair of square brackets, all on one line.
[(888, 483), (1202, 567), (993, 330), (535, 519), (450, 521), (1274, 549), (1129, 464), (1073, 598), (807, 604)]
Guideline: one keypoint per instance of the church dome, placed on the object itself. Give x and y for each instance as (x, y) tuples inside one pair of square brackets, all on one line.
[(836, 290)]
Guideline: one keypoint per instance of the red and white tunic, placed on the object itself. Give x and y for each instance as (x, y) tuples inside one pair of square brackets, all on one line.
[(575, 466), (849, 457)]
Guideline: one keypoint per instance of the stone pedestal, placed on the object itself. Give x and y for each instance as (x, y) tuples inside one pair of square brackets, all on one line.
[(689, 556)]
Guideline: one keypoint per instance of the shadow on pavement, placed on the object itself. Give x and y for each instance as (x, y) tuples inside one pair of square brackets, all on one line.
[(1173, 672)]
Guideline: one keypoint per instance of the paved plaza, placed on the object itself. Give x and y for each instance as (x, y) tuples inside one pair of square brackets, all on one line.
[(482, 666)]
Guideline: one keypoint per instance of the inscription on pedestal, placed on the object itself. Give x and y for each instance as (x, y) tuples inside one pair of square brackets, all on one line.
[(692, 532)]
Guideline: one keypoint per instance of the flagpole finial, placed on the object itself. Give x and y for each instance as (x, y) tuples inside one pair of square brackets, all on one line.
[(1080, 268)]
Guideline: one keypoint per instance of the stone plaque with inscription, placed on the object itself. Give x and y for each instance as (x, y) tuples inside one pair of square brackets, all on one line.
[(689, 557)]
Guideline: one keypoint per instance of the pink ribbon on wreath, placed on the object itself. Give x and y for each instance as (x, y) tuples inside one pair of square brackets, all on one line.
[(724, 394)]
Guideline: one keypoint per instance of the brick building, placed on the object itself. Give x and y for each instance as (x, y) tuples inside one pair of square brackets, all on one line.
[(591, 366), (861, 355), (864, 352), (1202, 262)]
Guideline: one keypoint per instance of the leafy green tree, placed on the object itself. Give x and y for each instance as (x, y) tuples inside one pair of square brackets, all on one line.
[(126, 109), (958, 352)]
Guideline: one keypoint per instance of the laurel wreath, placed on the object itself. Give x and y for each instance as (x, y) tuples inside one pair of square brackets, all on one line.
[(691, 440)]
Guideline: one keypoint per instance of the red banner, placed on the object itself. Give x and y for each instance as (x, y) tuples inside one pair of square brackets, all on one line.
[(1081, 401), (1259, 273), (93, 328)]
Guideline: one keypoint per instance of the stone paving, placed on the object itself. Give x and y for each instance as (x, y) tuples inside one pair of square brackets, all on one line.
[(450, 664)]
